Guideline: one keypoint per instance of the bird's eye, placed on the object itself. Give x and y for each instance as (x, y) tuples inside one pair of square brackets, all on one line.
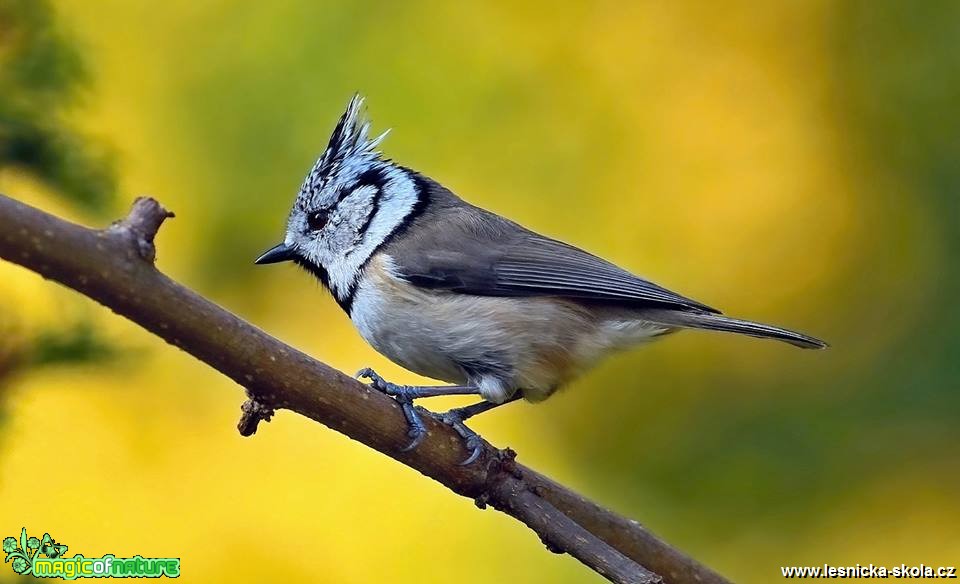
[(317, 219)]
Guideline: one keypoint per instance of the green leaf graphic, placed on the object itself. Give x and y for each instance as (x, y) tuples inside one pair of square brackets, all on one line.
[(22, 563)]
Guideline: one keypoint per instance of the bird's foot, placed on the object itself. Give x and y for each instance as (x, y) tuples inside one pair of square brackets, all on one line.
[(471, 440), (404, 396), (407, 392), (416, 430)]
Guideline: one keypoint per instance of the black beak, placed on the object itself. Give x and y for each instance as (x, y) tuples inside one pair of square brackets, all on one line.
[(277, 253)]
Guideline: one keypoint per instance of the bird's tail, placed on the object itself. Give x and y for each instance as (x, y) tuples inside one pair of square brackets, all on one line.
[(718, 322)]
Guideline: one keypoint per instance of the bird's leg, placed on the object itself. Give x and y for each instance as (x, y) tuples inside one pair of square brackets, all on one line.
[(405, 394), (456, 417), (411, 392)]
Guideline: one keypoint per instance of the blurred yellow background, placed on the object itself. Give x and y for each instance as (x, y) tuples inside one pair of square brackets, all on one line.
[(792, 162)]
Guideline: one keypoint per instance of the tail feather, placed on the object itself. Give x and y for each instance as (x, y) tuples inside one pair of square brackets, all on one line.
[(718, 322)]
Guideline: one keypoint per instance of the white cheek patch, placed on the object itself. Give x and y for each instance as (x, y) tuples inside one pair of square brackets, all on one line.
[(368, 217), (353, 213), (396, 202)]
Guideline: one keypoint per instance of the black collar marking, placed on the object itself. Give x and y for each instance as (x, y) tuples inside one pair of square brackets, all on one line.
[(423, 198)]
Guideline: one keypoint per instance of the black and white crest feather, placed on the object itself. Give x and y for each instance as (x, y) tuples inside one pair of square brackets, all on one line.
[(348, 150)]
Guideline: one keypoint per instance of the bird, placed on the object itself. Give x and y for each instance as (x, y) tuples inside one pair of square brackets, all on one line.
[(463, 295)]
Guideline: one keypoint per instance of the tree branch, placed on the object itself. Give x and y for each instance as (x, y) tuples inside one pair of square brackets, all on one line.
[(115, 267)]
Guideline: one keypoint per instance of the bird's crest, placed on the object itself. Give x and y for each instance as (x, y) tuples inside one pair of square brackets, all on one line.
[(348, 146)]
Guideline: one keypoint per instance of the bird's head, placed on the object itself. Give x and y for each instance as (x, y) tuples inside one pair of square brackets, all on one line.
[(351, 202)]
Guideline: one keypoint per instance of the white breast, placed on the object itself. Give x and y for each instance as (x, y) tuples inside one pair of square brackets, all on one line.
[(401, 323)]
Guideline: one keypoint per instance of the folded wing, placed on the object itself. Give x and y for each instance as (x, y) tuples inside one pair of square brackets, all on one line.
[(495, 257)]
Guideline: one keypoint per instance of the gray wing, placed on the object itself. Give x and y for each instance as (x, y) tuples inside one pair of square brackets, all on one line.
[(471, 251)]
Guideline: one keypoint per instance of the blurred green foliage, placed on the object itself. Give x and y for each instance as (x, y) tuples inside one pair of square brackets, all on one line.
[(41, 77), (78, 343)]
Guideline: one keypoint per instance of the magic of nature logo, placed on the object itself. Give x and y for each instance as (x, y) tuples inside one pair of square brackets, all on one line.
[(44, 558)]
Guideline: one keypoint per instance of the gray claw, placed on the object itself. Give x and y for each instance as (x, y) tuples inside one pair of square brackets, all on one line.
[(471, 440), (376, 381), (476, 446), (400, 392), (416, 436)]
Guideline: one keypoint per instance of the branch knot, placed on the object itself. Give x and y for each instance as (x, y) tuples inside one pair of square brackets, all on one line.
[(253, 412), (142, 223)]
